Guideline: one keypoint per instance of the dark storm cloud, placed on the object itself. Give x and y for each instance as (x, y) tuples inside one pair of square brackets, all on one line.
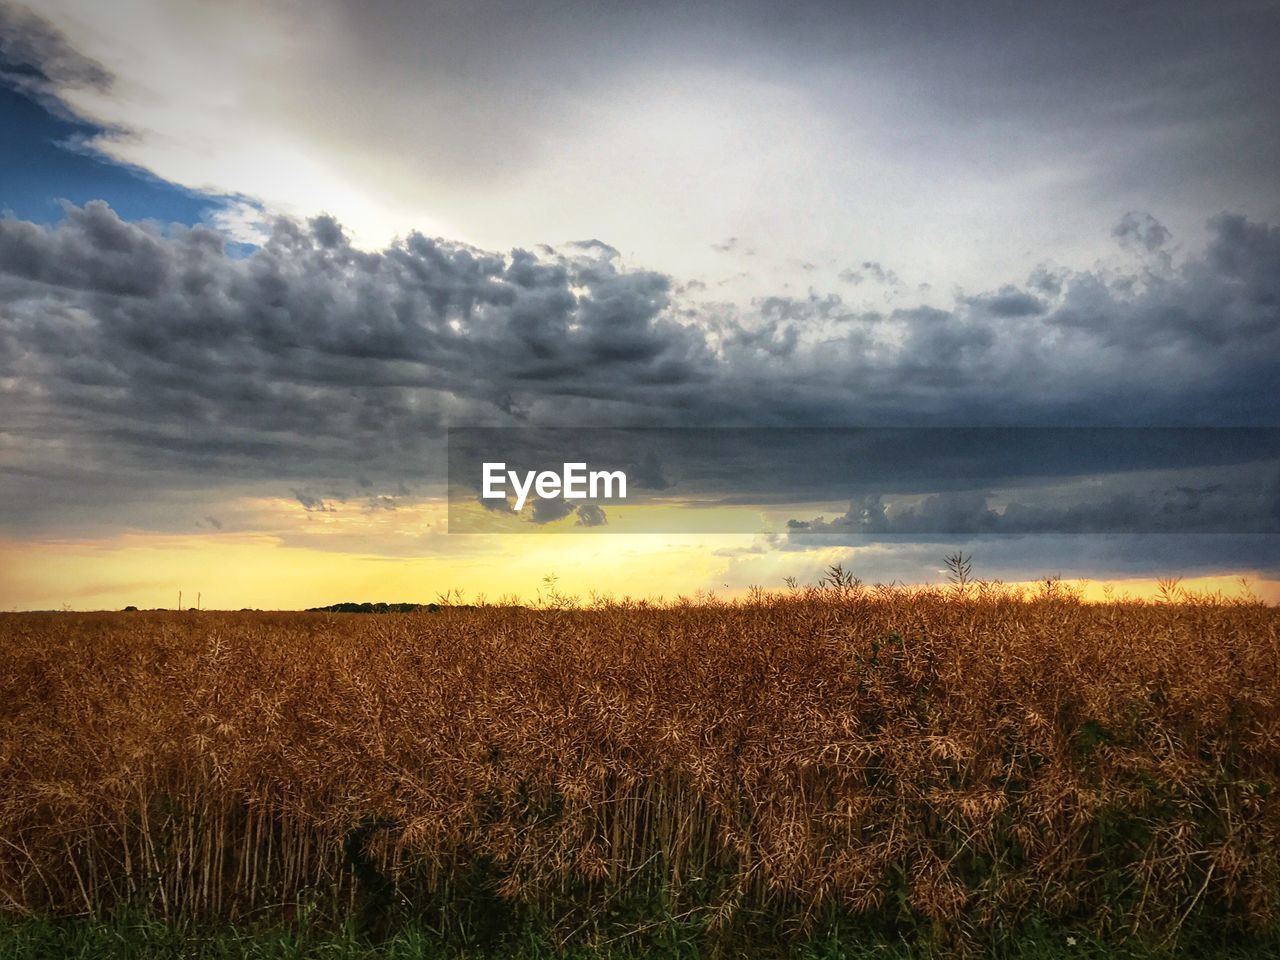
[(1228, 299), (1008, 301), (1211, 508), (916, 558), (647, 473), (132, 357), (35, 56), (496, 504), (544, 511), (309, 356), (912, 481)]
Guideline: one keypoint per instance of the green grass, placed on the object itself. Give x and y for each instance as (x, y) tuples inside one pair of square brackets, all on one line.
[(141, 938)]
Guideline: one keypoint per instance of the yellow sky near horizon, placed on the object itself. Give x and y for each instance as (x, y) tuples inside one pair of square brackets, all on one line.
[(236, 570), (231, 571), (272, 553)]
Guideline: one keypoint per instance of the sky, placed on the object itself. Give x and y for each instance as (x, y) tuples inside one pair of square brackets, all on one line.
[(256, 261)]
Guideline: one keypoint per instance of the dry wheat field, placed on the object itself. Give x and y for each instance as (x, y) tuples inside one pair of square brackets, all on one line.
[(953, 761)]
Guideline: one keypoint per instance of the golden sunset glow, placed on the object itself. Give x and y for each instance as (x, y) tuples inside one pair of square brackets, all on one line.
[(259, 571), (262, 571)]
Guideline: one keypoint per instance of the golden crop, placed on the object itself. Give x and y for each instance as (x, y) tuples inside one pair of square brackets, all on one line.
[(918, 755)]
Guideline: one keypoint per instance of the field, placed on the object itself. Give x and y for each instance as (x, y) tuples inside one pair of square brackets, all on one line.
[(947, 769)]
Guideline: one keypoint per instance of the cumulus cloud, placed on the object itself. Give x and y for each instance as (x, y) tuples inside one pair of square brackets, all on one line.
[(133, 356), (870, 270), (144, 348), (1141, 231), (1227, 299)]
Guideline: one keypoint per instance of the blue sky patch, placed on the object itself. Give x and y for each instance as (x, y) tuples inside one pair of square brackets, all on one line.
[(42, 164)]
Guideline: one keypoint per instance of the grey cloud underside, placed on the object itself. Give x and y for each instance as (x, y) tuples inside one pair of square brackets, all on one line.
[(913, 558), (549, 510), (1037, 479), (1249, 507), (135, 359)]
